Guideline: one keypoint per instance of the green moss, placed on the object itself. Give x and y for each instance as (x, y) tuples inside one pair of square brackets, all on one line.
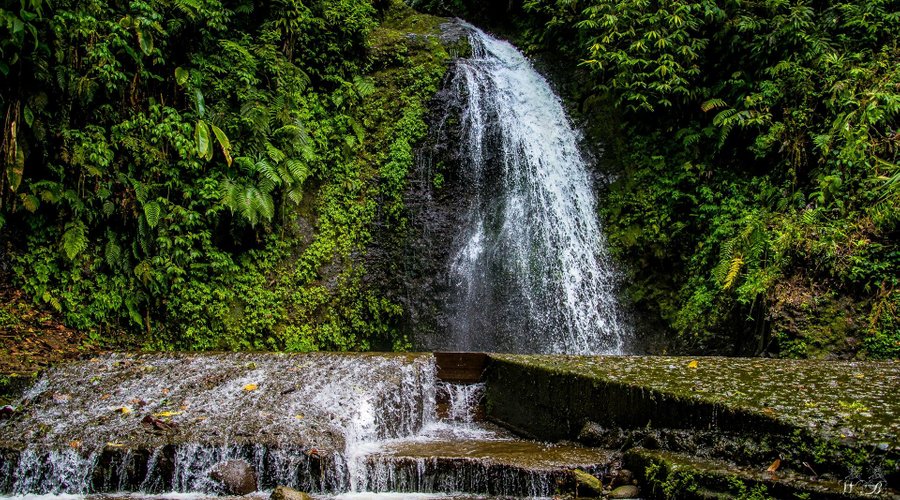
[(673, 476)]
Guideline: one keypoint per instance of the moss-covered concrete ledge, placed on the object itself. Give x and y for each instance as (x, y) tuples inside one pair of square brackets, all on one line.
[(832, 415)]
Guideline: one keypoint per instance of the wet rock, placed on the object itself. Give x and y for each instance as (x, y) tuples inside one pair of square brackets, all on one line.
[(236, 476), (285, 493), (591, 433), (627, 491), (587, 484), (6, 412), (622, 477)]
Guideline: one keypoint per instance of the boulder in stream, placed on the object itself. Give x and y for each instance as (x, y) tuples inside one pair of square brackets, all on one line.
[(285, 493), (236, 476), (627, 491), (587, 484)]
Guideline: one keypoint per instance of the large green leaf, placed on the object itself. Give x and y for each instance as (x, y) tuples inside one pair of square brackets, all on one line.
[(201, 137), (16, 168), (200, 102), (224, 142), (181, 75), (145, 40)]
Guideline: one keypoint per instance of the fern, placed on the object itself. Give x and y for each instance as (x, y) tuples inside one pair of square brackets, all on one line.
[(74, 240), (734, 268), (152, 211), (712, 104), (112, 252)]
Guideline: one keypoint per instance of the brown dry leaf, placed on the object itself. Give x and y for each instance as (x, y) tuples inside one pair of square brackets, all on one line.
[(75, 444), (165, 392), (250, 387), (775, 465), (692, 364)]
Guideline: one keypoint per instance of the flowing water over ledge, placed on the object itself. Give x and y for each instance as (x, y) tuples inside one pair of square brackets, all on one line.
[(324, 423), (527, 268)]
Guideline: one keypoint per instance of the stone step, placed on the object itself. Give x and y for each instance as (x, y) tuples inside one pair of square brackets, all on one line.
[(504, 467)]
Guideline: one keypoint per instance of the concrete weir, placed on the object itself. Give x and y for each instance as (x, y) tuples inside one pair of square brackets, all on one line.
[(456, 423), (812, 426)]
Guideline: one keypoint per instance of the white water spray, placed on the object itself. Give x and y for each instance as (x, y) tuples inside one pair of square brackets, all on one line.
[(531, 273)]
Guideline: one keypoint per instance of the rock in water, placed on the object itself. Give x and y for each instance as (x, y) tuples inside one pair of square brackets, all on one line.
[(237, 477), (628, 491), (622, 477), (285, 493), (586, 484)]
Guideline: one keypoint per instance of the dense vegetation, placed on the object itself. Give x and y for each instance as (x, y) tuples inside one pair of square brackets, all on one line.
[(208, 173), (753, 150), (211, 173)]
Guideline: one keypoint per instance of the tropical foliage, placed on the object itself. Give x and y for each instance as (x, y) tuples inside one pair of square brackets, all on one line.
[(205, 173), (755, 159)]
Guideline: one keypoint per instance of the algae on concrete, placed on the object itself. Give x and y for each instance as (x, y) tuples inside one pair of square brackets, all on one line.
[(819, 418)]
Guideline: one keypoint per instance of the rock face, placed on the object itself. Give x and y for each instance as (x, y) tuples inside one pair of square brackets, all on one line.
[(237, 477), (285, 493)]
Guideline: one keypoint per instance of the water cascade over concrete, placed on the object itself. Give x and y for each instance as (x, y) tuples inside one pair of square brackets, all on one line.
[(324, 423)]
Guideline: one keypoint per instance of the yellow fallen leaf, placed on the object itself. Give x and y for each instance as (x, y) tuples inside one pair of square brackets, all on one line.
[(298, 417), (250, 387), (775, 465), (859, 375), (124, 410), (692, 364), (165, 414), (113, 444)]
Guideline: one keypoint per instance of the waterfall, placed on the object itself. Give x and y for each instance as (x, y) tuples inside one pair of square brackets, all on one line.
[(529, 271)]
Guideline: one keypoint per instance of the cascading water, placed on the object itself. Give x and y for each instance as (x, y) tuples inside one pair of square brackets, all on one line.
[(328, 424), (161, 423), (530, 272)]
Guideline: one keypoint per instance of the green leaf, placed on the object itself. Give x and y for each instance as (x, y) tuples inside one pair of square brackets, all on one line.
[(30, 202), (152, 212), (29, 116), (201, 137), (16, 169), (200, 102), (181, 75), (145, 41), (224, 142), (133, 312)]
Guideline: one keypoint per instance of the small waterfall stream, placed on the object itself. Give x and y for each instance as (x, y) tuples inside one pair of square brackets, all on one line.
[(328, 424), (529, 271)]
